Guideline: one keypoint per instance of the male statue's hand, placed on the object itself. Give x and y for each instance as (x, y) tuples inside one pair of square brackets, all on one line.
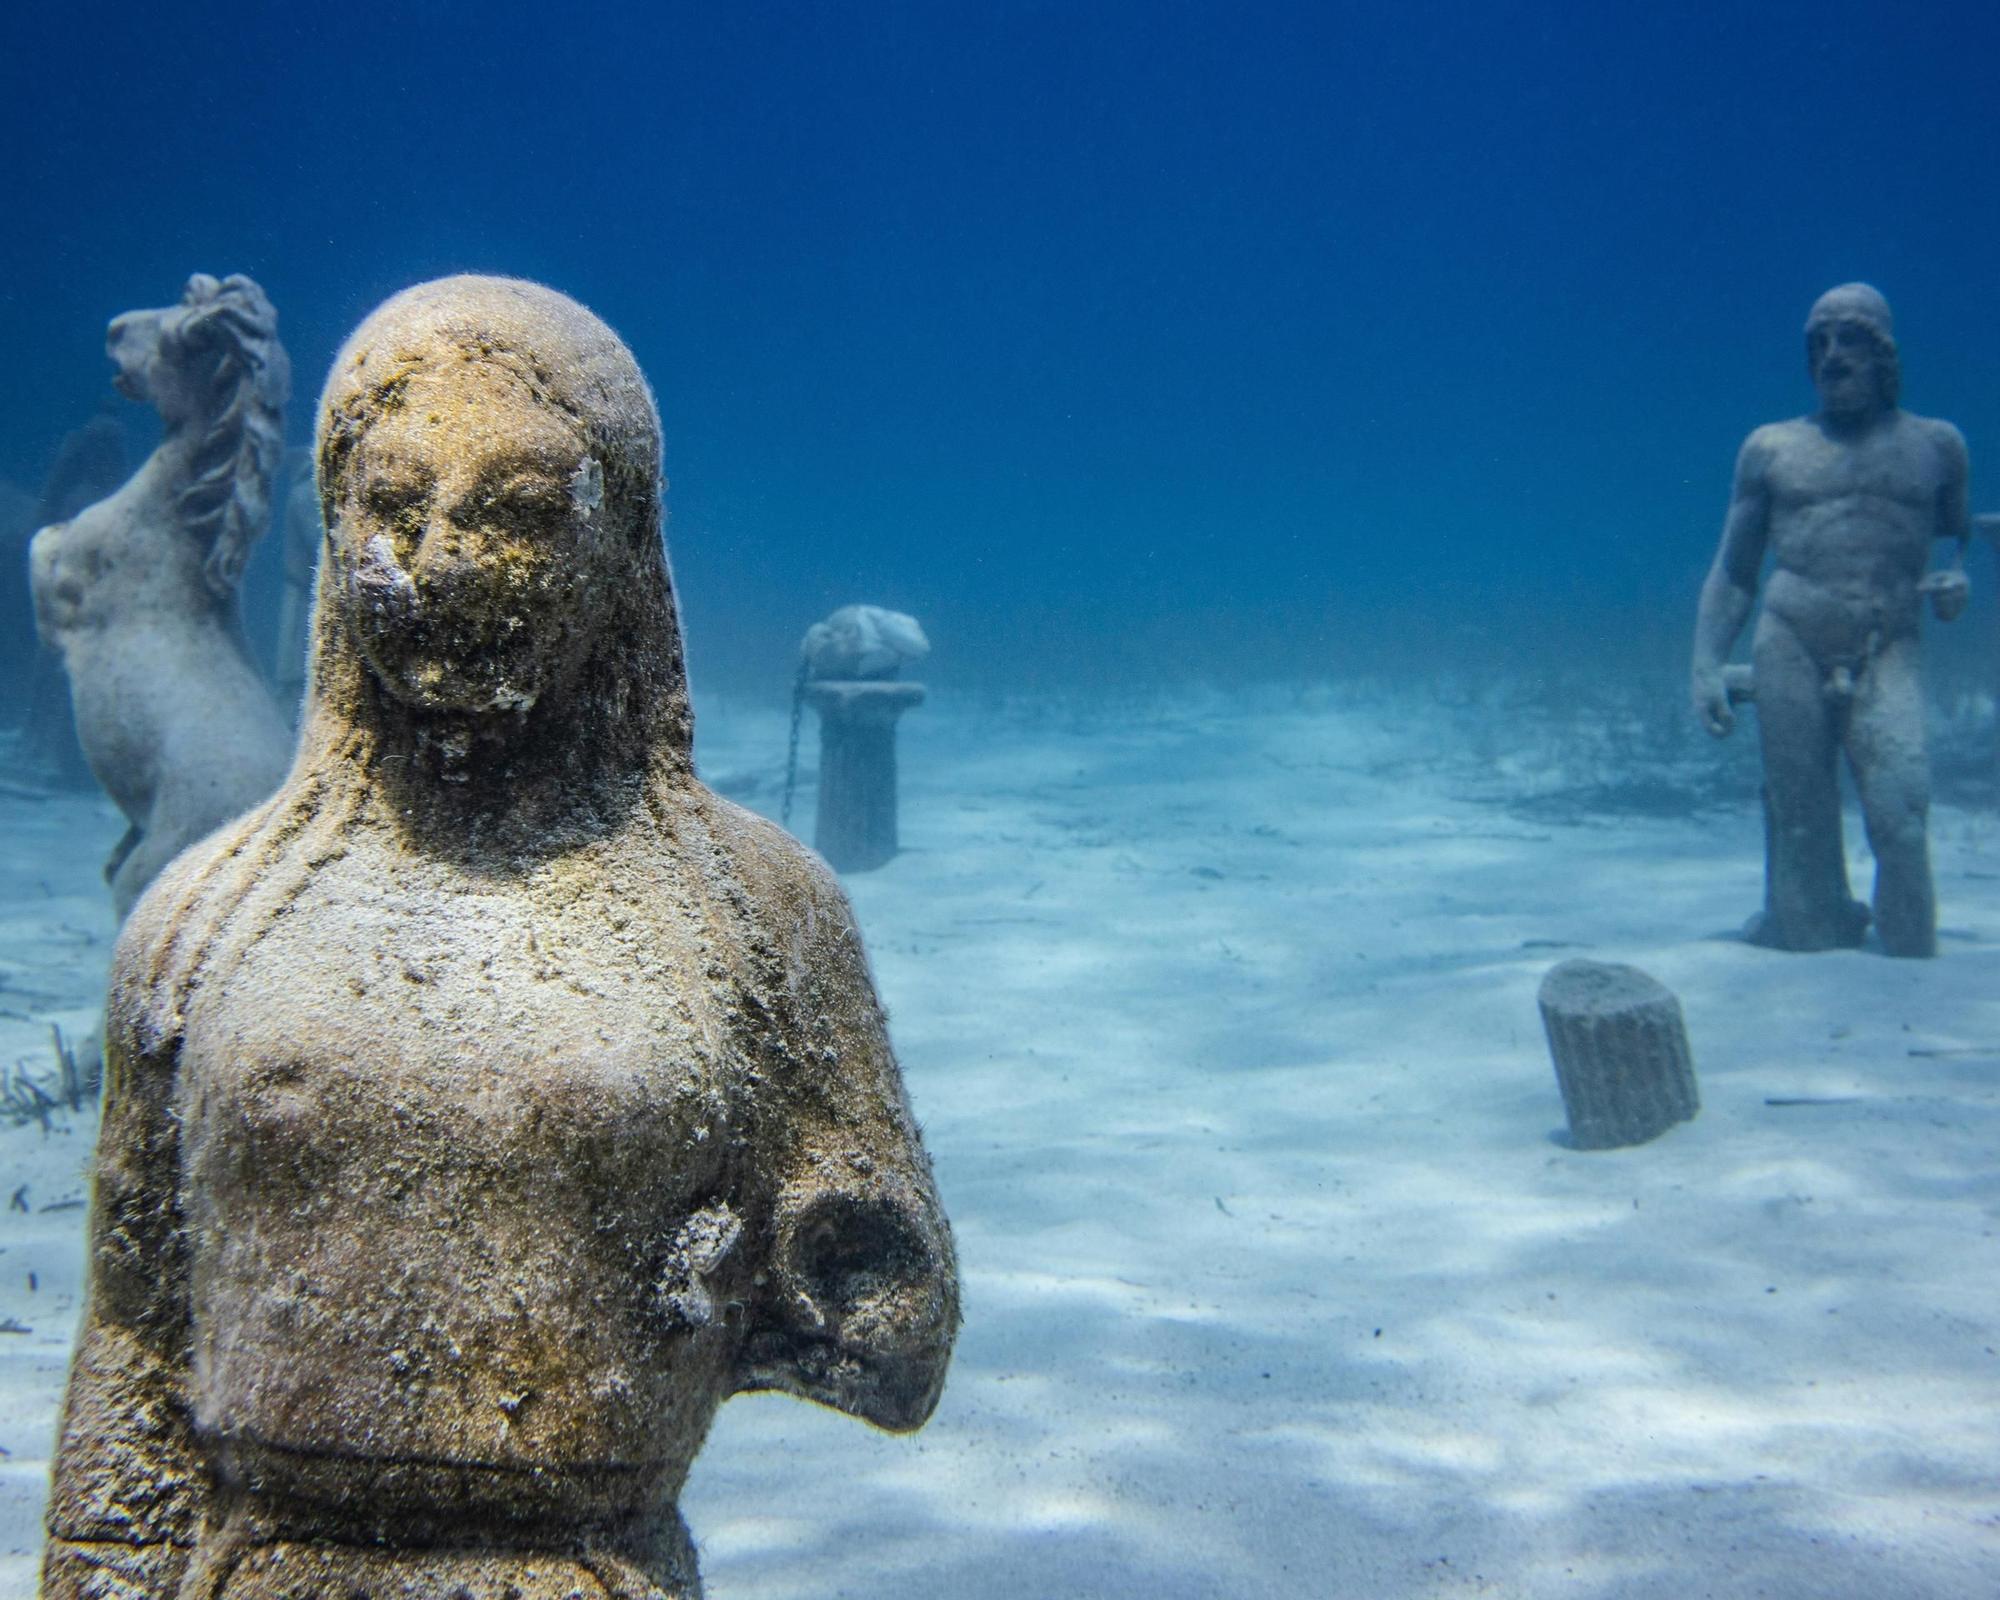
[(1711, 701), (1949, 592)]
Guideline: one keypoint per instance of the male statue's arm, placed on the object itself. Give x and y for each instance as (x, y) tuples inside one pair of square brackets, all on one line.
[(858, 1304), (1731, 586), (130, 1488), (1949, 588)]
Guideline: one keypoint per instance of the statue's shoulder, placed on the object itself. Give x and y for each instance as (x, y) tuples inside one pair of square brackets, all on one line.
[(782, 881), (170, 934), (1941, 435), (799, 946), (1767, 445), (1775, 438), (153, 955)]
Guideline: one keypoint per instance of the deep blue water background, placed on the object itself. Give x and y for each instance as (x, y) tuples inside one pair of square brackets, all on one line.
[(1119, 341)]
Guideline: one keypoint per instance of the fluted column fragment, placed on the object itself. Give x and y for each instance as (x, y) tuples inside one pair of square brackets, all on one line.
[(1621, 1053), (856, 826)]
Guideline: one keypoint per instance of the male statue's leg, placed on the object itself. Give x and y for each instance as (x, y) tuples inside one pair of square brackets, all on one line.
[(1807, 905), (1885, 745)]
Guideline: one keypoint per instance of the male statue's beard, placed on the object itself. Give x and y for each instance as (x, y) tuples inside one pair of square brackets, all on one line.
[(1851, 393)]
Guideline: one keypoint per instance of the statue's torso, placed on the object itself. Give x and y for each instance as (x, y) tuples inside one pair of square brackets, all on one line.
[(1851, 526), (456, 1157), (158, 677)]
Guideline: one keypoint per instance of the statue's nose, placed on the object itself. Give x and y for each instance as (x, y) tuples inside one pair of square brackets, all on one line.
[(381, 580), (442, 547)]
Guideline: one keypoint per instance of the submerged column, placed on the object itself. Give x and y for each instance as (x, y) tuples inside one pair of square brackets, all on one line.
[(847, 669), (856, 826), (1621, 1053)]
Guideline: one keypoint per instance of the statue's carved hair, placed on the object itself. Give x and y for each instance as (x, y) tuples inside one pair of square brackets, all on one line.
[(224, 343)]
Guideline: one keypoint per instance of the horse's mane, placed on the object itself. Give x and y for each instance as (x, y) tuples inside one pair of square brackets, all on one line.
[(225, 343)]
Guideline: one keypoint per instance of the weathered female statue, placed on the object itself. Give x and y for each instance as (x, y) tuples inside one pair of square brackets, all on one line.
[(138, 593), (495, 1101)]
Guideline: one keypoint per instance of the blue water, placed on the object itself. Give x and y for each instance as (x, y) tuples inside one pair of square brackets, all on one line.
[(1147, 343), (1119, 340)]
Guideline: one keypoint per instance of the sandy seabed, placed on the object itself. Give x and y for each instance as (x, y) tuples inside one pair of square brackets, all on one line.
[(1219, 1014)]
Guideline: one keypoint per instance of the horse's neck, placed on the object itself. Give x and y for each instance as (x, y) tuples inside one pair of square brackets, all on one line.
[(166, 471), (140, 527)]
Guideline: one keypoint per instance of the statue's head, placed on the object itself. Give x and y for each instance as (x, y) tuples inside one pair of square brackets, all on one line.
[(1851, 352), (489, 473), (213, 368), (862, 642), (189, 361)]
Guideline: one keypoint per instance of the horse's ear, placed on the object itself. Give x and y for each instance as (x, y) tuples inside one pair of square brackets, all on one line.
[(221, 315), (201, 303), (206, 344)]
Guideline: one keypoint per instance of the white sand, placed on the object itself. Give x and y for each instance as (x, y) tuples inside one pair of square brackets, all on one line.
[(1220, 1018), (56, 929)]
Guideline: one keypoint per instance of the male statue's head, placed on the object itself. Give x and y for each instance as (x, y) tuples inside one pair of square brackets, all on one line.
[(489, 471), (1851, 353)]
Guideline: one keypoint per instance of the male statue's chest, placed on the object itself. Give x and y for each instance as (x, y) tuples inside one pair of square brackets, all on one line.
[(1894, 467)]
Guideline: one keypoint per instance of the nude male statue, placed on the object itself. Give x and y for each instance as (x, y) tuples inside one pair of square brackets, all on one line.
[(1847, 501)]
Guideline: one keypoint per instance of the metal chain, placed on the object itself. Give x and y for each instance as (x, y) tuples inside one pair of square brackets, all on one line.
[(792, 750)]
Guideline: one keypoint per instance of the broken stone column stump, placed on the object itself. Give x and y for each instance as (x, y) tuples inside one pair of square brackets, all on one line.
[(1621, 1053), (856, 825)]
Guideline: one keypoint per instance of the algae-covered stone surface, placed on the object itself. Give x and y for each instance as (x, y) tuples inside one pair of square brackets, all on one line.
[(496, 1100)]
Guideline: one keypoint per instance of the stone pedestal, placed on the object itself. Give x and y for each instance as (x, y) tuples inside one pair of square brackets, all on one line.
[(1621, 1053), (856, 825)]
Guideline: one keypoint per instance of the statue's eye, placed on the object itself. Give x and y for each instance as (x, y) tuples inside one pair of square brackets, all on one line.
[(392, 500), (522, 502)]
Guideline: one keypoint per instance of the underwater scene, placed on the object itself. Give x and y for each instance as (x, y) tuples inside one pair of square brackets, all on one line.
[(1231, 769)]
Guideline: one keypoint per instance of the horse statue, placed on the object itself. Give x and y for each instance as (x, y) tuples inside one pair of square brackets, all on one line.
[(138, 593)]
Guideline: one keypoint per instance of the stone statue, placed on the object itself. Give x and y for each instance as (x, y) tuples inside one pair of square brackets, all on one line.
[(90, 463), (861, 642), (1847, 501), (138, 592), (495, 1100)]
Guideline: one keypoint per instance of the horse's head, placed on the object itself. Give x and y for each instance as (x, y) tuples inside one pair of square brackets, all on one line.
[(213, 368), (189, 361)]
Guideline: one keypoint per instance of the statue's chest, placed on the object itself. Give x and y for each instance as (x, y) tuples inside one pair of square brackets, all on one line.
[(459, 1035), (1895, 468)]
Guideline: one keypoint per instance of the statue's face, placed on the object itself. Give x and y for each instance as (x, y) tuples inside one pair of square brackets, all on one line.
[(133, 342), (463, 531), (1849, 366)]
